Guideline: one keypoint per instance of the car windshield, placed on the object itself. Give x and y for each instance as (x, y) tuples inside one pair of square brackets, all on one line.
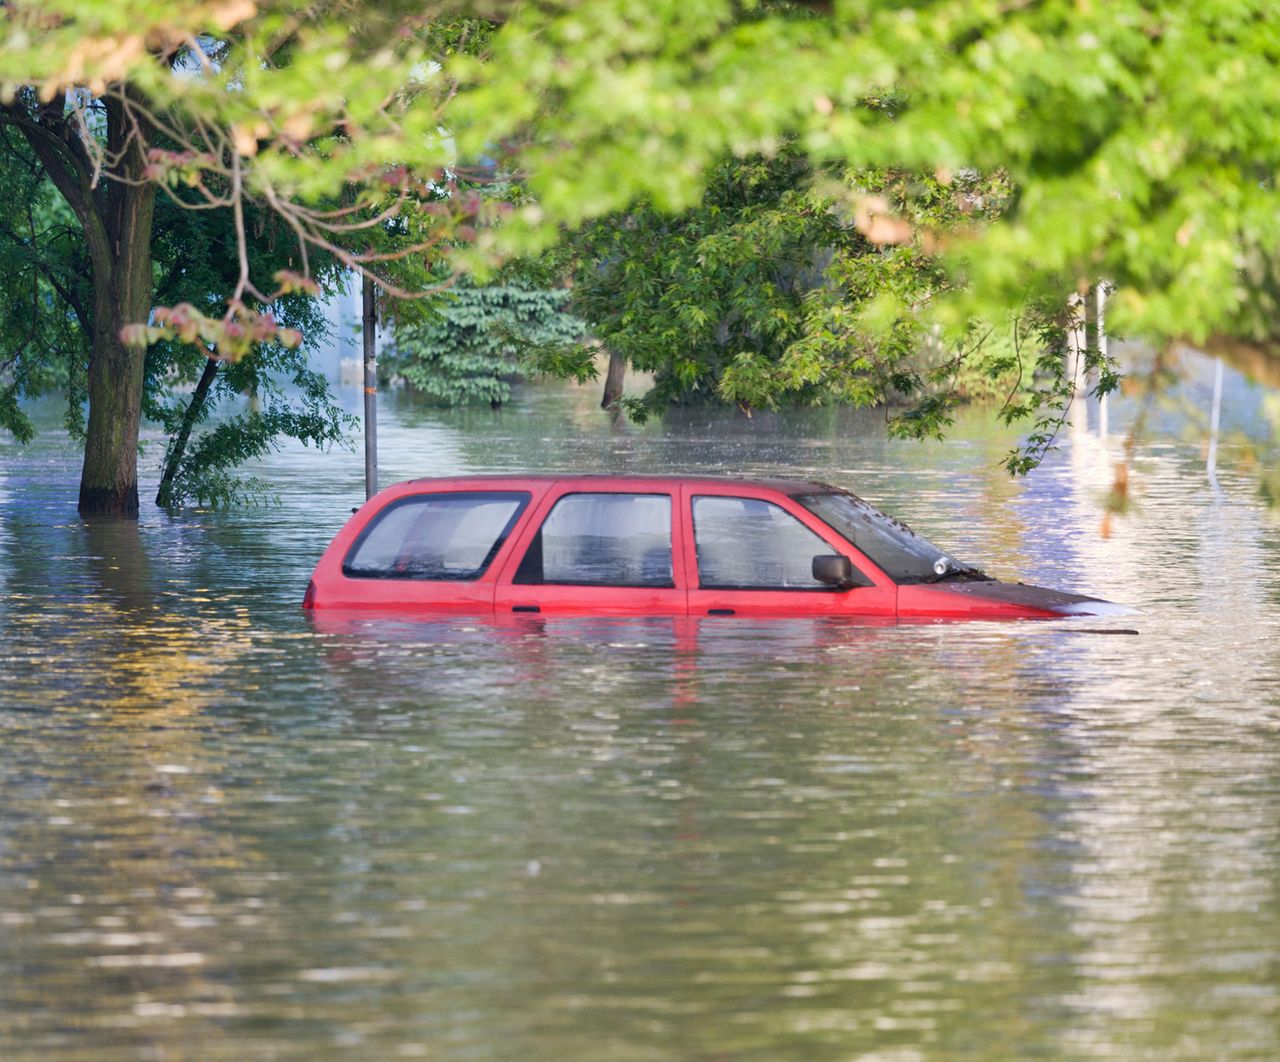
[(903, 555)]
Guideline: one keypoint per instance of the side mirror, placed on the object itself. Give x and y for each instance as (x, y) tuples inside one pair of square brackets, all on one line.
[(835, 571)]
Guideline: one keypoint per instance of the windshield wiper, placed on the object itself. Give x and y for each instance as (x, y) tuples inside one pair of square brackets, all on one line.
[(974, 574)]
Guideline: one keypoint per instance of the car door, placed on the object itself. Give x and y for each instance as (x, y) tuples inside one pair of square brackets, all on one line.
[(749, 551), (598, 550)]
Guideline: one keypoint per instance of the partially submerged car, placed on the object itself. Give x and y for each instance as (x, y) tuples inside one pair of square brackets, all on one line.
[(633, 545)]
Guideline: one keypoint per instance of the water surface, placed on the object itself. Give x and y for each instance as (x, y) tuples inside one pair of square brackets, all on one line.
[(232, 831)]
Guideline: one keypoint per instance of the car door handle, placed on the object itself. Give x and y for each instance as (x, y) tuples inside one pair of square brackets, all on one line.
[(525, 608), (720, 612)]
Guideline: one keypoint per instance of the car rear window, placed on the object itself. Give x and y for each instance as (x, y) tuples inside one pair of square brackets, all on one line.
[(435, 536), (592, 539)]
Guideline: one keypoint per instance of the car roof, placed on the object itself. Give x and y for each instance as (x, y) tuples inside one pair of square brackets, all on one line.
[(599, 480)]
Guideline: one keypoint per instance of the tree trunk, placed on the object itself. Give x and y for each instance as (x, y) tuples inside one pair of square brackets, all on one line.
[(109, 479), (178, 448), (613, 381)]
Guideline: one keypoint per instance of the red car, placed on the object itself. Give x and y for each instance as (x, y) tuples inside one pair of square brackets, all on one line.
[(647, 545)]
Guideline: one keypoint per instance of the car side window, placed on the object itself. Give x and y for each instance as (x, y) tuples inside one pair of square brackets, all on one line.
[(599, 539), (452, 537), (749, 544)]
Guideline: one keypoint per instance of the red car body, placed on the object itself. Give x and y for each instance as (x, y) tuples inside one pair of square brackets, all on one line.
[(639, 545)]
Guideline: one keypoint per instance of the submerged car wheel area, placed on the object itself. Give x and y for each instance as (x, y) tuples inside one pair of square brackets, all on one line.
[(625, 545)]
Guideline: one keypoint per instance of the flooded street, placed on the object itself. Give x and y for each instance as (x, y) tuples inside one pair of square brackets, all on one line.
[(232, 830)]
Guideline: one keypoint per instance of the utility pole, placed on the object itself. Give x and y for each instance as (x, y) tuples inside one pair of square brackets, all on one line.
[(1077, 342), (369, 323), (1096, 334), (1215, 418)]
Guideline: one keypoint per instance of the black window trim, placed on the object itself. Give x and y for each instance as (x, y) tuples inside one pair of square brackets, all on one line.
[(863, 583), (521, 497), (672, 498)]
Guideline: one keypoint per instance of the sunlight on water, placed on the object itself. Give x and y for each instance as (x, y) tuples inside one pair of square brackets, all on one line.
[(233, 831)]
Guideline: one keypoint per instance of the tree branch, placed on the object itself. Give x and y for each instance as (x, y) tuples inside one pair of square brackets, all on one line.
[(69, 176)]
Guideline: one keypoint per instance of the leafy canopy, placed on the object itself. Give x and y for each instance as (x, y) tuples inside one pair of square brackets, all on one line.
[(1142, 135), (325, 115), (787, 282)]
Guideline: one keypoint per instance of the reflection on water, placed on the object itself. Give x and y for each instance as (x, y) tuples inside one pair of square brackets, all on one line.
[(233, 831)]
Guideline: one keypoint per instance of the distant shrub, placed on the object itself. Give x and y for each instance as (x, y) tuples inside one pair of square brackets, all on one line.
[(471, 345)]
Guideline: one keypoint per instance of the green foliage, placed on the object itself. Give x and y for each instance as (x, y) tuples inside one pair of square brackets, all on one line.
[(1040, 337), (470, 345), (707, 300), (1136, 142), (869, 334), (783, 285), (44, 293), (207, 471), (194, 257), (46, 320), (1140, 137)]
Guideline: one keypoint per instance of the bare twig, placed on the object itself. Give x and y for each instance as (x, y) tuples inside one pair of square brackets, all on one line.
[(1017, 353), (243, 283)]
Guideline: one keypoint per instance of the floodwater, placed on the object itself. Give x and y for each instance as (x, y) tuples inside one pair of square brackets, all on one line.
[(232, 831)]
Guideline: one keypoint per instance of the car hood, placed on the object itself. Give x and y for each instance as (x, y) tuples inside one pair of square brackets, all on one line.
[(1021, 596)]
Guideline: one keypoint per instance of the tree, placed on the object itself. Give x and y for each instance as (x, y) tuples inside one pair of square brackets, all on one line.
[(114, 222), (43, 301), (466, 349), (119, 101), (756, 294), (48, 293), (694, 296), (1138, 137), (244, 407)]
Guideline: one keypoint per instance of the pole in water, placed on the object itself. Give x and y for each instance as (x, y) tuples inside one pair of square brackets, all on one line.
[(1077, 328), (1100, 310), (369, 323), (1215, 418)]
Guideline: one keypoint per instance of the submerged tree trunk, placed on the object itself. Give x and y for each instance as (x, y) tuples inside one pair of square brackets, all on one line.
[(115, 206), (109, 480), (178, 448), (613, 381)]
